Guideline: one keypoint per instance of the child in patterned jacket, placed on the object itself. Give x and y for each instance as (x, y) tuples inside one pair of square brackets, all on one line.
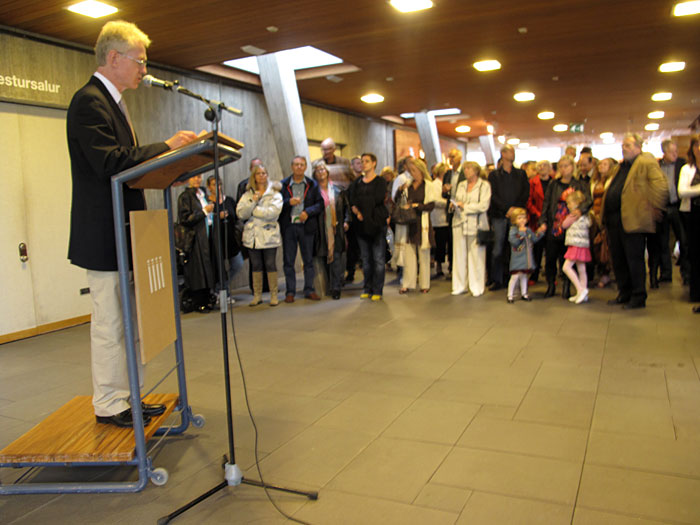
[(578, 242)]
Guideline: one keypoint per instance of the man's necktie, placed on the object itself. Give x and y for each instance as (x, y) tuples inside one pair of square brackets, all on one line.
[(122, 106)]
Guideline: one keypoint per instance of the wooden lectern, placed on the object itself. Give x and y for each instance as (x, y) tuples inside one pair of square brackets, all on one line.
[(70, 436)]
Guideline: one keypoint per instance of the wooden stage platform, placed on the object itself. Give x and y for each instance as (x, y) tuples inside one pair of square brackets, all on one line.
[(72, 435)]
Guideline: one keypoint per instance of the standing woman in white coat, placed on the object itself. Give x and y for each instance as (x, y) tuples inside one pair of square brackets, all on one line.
[(471, 203), (260, 207), (420, 196)]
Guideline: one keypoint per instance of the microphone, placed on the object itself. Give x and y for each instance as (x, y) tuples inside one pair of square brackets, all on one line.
[(151, 81)]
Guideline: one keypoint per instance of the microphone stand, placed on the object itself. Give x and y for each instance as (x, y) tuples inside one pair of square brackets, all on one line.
[(232, 474)]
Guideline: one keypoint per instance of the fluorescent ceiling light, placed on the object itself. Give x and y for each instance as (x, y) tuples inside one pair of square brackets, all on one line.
[(686, 8), (656, 114), (661, 97), (672, 67), (372, 98), (463, 129), (435, 113), (489, 128), (409, 6), (560, 127), (545, 115), (92, 8), (298, 58), (652, 126), (487, 65), (501, 139), (524, 145), (524, 96), (513, 141), (609, 140), (606, 134)]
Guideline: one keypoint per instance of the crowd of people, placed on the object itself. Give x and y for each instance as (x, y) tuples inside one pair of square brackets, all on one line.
[(588, 221)]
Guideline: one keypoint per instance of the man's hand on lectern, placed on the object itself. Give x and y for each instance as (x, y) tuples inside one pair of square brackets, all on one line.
[(180, 139)]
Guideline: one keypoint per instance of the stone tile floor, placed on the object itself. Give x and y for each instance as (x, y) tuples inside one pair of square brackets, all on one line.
[(417, 409)]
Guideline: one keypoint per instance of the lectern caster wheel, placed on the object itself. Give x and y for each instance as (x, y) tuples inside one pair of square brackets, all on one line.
[(159, 476), (198, 421)]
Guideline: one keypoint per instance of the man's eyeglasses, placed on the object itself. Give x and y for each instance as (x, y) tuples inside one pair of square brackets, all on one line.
[(142, 63)]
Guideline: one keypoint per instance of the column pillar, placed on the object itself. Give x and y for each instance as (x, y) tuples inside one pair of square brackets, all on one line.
[(284, 107), (489, 148), (427, 130)]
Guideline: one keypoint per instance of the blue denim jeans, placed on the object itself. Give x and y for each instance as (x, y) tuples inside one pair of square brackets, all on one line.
[(292, 237), (373, 251)]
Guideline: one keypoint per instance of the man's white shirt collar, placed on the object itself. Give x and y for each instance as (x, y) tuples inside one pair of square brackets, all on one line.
[(110, 87)]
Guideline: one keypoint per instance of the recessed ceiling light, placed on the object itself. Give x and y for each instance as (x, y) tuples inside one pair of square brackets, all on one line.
[(656, 114), (534, 147), (652, 126), (372, 98), (609, 140), (298, 58), (672, 67), (92, 8), (501, 139), (253, 50), (686, 8), (409, 6), (524, 145), (661, 97), (487, 65), (524, 96), (560, 127), (514, 141), (272, 29), (489, 128), (606, 134), (463, 129), (545, 115)]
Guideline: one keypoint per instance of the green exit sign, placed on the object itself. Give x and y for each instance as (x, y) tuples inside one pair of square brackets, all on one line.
[(576, 127)]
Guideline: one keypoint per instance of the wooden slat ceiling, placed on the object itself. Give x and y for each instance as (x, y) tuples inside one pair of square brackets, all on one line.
[(592, 61)]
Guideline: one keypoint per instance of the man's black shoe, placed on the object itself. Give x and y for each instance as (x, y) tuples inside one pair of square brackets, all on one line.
[(152, 410), (634, 305), (495, 287), (122, 419), (618, 300), (551, 290)]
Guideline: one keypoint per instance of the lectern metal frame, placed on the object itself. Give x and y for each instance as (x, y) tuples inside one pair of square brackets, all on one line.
[(143, 462)]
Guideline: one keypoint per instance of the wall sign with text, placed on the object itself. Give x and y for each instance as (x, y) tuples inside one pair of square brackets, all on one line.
[(41, 74)]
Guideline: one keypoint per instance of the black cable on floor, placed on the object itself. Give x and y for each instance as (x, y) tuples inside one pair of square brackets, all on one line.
[(255, 427)]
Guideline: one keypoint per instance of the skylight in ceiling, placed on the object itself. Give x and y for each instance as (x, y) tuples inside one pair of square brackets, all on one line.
[(299, 58)]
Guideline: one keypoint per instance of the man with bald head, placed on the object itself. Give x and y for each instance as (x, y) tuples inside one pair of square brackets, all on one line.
[(339, 170)]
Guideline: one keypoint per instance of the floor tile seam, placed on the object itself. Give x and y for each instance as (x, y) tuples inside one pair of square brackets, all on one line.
[(641, 470), (616, 512), (529, 388), (590, 425), (634, 396), (532, 422), (37, 509), (507, 495), (528, 455), (390, 500)]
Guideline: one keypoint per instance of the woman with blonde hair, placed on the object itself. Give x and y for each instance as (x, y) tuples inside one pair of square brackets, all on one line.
[(260, 207), (417, 194), (554, 212), (603, 173), (438, 218), (471, 204)]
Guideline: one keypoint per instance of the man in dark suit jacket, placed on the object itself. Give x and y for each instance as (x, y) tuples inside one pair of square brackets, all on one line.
[(101, 143), (302, 203)]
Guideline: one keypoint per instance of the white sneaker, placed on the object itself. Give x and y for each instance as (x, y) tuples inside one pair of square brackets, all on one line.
[(458, 292), (582, 297)]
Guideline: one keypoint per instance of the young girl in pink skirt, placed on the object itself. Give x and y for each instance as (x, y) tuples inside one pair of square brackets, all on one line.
[(578, 247)]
